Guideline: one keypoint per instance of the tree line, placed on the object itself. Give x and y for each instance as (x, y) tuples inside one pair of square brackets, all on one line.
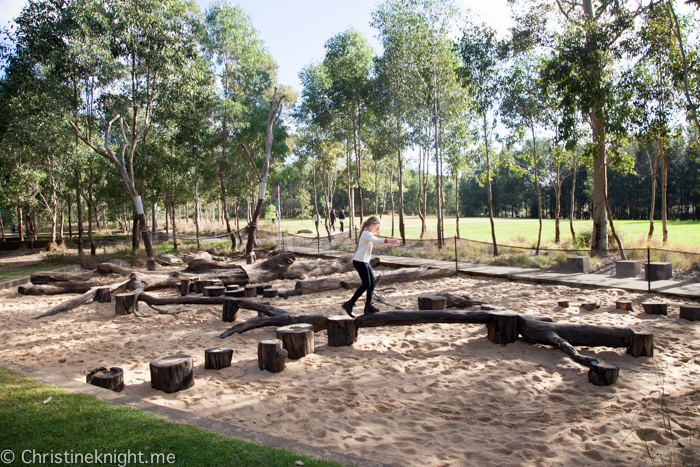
[(127, 109)]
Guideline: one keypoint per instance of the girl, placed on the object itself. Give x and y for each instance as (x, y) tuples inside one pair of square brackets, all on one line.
[(361, 263)]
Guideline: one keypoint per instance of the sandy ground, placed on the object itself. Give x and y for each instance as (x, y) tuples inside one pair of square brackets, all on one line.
[(425, 395)]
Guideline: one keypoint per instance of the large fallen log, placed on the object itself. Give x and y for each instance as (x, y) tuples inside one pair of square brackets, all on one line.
[(194, 300), (77, 301), (342, 264), (459, 301), (403, 275), (318, 321)]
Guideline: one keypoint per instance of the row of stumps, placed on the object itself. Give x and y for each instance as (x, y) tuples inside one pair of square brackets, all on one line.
[(215, 288), (687, 311)]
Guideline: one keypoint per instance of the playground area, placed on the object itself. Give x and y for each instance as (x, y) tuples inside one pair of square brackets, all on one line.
[(434, 394)]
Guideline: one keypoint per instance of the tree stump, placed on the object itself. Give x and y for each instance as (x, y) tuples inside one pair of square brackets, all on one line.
[(690, 312), (623, 305), (198, 286), (125, 303), (602, 374), (112, 378), (151, 264), (432, 302), (297, 339), (184, 287), (234, 293), (217, 358), (271, 355), (103, 295), (269, 293), (655, 308), (641, 345), (503, 327), (341, 331), (589, 306), (214, 291), (563, 303), (250, 291), (229, 313), (231, 288), (173, 373), (261, 287)]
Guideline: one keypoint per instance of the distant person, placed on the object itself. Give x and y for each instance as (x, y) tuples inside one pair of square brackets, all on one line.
[(333, 220), (316, 219), (341, 219), (585, 211), (13, 227)]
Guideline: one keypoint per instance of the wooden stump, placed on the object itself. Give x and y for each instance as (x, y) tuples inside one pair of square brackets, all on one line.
[(641, 345), (229, 313), (563, 303), (173, 373), (125, 303), (250, 291), (269, 293), (216, 359), (503, 327), (271, 355), (589, 306), (290, 293), (198, 286), (112, 378), (230, 288), (260, 288), (623, 305), (432, 302), (341, 331), (602, 374), (103, 295), (184, 287), (234, 293), (690, 312), (297, 339), (655, 308), (151, 264), (214, 291)]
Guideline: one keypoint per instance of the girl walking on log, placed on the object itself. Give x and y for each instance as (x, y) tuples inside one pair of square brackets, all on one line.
[(361, 262)]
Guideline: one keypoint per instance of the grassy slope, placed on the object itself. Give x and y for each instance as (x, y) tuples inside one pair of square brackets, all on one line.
[(80, 423)]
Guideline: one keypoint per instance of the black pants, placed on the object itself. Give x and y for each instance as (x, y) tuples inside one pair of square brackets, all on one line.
[(368, 282), (341, 226)]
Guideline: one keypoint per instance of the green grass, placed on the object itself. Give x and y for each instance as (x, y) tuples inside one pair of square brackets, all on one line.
[(8, 274), (80, 423)]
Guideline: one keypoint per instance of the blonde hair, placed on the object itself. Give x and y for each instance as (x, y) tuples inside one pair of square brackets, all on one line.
[(371, 220)]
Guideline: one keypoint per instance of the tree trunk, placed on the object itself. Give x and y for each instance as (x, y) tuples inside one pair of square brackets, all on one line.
[(70, 220), (664, 188), (79, 211), (537, 186), (488, 187), (572, 214), (599, 240), (402, 226)]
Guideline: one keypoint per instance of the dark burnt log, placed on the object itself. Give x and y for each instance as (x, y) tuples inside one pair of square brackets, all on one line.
[(403, 275), (108, 378), (261, 313), (503, 327), (459, 301), (199, 285), (265, 271), (126, 303), (231, 288), (297, 339), (269, 293), (320, 268), (229, 313), (235, 293), (185, 287), (173, 373), (214, 291), (341, 331), (623, 305), (151, 264), (602, 374), (409, 318), (432, 302), (259, 288), (655, 308), (690, 312), (217, 358), (589, 306), (111, 268), (77, 301), (48, 277), (250, 291), (318, 322), (246, 304), (290, 293), (58, 288), (490, 307), (641, 345), (103, 295), (271, 355), (563, 303)]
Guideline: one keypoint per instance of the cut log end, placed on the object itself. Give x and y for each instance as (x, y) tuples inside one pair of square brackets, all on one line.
[(563, 303), (214, 291), (590, 306), (655, 308), (432, 302), (271, 355), (342, 331), (269, 293), (108, 378), (641, 345), (125, 303), (624, 305), (250, 291), (217, 358), (173, 373), (690, 312), (297, 339), (103, 295), (502, 327), (229, 312), (602, 374)]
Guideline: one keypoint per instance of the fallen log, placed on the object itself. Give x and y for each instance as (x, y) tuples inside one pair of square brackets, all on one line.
[(342, 264), (77, 301), (318, 321), (230, 274), (459, 301), (403, 275), (190, 300)]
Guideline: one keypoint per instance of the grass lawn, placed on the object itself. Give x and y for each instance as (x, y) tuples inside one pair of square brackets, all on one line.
[(80, 423), (7, 273)]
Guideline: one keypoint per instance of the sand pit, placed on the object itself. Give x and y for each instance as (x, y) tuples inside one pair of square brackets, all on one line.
[(426, 395)]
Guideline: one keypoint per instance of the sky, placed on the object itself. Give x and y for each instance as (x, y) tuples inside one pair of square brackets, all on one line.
[(295, 31)]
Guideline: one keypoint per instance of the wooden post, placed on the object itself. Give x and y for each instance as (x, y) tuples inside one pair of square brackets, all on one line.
[(184, 287), (589, 306), (229, 313), (231, 288), (112, 378), (214, 291), (690, 312), (341, 331), (259, 288), (563, 303), (103, 295), (198, 285), (217, 358), (503, 327), (151, 264), (234, 293), (173, 373), (125, 303), (250, 291), (271, 355), (641, 345), (623, 305), (602, 374), (269, 293), (432, 302), (297, 339), (655, 308)]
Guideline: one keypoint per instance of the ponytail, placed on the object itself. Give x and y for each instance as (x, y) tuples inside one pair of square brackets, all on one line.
[(371, 220)]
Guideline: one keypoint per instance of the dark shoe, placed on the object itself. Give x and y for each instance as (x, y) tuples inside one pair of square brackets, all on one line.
[(347, 306), (371, 309)]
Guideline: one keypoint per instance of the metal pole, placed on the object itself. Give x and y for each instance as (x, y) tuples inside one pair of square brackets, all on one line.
[(456, 266), (648, 268)]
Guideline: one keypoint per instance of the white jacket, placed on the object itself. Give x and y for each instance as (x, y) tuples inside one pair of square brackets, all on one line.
[(364, 246)]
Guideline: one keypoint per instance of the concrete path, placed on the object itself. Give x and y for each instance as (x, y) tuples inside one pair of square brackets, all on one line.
[(689, 290)]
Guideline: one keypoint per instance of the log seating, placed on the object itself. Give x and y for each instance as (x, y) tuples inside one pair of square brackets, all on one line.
[(297, 339), (250, 291), (502, 327), (641, 344), (185, 287), (125, 303), (269, 293), (271, 355), (173, 373), (655, 308), (234, 293), (589, 306), (563, 303), (229, 313), (217, 358), (432, 302), (623, 305), (103, 295), (341, 331), (108, 378), (690, 312), (214, 291), (602, 374)]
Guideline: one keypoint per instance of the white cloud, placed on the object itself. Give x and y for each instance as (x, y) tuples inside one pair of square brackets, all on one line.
[(9, 10)]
